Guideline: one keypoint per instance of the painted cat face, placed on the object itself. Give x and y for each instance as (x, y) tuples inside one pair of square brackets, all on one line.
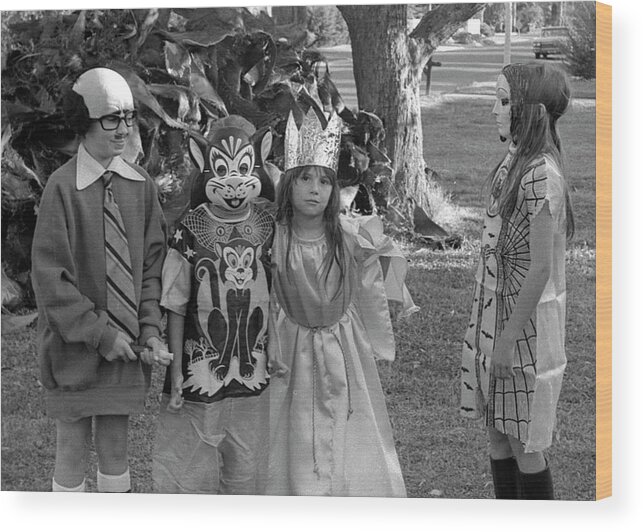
[(238, 264), (227, 162), (239, 269)]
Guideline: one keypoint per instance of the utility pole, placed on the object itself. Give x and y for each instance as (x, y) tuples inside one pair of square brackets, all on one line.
[(427, 71), (508, 20), (562, 14)]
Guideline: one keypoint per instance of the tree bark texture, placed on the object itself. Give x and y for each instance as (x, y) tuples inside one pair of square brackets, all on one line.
[(388, 78), (388, 63)]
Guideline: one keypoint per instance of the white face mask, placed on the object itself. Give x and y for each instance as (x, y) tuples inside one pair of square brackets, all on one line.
[(502, 108), (104, 92)]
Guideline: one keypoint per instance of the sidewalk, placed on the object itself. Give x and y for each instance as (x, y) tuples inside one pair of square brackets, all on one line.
[(486, 91), (583, 92), (498, 39), (581, 89), (436, 99)]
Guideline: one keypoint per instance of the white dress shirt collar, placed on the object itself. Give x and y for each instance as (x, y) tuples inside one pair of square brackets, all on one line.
[(89, 170)]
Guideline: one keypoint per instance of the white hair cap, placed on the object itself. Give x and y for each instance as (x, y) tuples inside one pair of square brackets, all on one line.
[(104, 91)]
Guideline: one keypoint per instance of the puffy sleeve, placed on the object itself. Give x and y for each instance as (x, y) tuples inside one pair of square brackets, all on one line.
[(382, 275), (275, 324), (155, 249), (177, 272), (542, 185)]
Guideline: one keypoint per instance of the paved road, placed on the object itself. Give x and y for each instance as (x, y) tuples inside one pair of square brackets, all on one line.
[(461, 67)]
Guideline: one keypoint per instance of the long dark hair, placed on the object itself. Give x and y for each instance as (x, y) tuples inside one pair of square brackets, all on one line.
[(335, 253), (532, 87), (75, 112)]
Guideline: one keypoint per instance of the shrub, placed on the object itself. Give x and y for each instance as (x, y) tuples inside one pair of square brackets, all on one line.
[(328, 24), (529, 16), (486, 30), (463, 37), (581, 52)]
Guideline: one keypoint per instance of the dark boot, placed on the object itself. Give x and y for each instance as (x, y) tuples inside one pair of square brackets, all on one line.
[(537, 486), (506, 482)]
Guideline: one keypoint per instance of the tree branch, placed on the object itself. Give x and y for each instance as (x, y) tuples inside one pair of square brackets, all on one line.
[(348, 12), (440, 23)]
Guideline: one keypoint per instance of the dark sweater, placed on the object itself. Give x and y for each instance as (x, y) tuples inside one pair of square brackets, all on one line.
[(68, 272)]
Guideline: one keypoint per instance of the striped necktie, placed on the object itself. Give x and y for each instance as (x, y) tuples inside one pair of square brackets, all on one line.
[(121, 299)]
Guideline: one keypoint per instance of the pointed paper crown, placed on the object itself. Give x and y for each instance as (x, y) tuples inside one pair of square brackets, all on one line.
[(312, 144)]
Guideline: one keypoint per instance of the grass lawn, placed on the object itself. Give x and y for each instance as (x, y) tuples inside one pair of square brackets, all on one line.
[(442, 455)]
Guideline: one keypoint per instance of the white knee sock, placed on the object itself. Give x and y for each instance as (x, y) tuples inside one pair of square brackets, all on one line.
[(57, 487), (114, 483)]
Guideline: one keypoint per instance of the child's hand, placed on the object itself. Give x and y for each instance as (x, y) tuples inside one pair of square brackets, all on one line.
[(276, 368), (394, 309), (121, 349), (502, 360), (157, 354), (176, 396)]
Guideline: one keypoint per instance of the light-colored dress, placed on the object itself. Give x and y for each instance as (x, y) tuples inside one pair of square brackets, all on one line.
[(330, 431), (523, 406)]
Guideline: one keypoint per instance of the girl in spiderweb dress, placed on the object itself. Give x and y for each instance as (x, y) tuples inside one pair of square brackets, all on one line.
[(514, 353), (329, 321)]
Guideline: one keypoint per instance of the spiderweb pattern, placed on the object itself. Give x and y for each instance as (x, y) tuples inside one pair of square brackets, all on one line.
[(209, 231), (509, 405)]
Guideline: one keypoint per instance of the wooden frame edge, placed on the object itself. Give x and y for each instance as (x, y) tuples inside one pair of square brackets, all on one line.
[(603, 250)]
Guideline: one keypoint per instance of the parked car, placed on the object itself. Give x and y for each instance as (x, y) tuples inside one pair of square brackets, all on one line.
[(553, 40)]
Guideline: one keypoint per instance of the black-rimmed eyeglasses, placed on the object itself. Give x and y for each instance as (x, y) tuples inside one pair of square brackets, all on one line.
[(111, 122)]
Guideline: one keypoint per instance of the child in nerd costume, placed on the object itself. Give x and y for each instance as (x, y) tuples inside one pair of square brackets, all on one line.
[(329, 321), (513, 355), (213, 426), (97, 255)]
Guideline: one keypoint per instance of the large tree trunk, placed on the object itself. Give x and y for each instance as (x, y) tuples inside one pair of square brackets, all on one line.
[(388, 77), (387, 64)]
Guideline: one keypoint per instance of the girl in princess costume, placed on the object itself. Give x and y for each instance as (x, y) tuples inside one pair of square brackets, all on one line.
[(513, 356), (329, 321), (213, 425)]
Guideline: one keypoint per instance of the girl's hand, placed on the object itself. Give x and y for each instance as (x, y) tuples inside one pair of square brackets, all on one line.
[(121, 349), (394, 309), (176, 396), (277, 368), (502, 360)]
